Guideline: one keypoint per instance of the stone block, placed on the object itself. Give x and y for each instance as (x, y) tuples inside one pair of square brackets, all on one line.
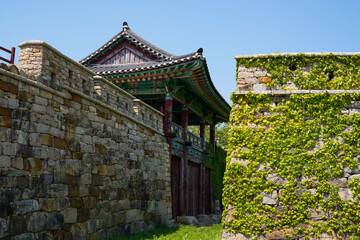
[(91, 226), (270, 199), (76, 202), (70, 215), (187, 220), (89, 202), (5, 121), (5, 161), (264, 80), (83, 214), (46, 139), (62, 203), (38, 108), (6, 209), (58, 190), (37, 222), (17, 224), (35, 139), (131, 215), (259, 87), (26, 206), (60, 143), (354, 176), (25, 236), (32, 164), (345, 194), (245, 74), (16, 162), (54, 221), (73, 190), (3, 228), (86, 178), (8, 87), (120, 217)]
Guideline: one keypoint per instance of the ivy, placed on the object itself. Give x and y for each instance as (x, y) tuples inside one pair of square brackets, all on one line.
[(216, 163), (307, 141), (326, 71)]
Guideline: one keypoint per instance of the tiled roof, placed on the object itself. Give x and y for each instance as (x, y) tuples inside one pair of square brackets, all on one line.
[(134, 38), (135, 67)]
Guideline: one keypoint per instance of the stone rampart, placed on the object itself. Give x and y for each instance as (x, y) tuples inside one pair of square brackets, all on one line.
[(293, 163), (79, 157)]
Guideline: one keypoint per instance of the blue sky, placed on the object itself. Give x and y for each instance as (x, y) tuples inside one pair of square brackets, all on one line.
[(223, 30)]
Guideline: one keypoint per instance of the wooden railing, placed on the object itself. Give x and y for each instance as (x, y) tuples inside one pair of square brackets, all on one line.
[(12, 55), (195, 140), (190, 137)]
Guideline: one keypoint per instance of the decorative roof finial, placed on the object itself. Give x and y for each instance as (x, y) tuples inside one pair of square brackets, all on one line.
[(200, 51), (125, 26)]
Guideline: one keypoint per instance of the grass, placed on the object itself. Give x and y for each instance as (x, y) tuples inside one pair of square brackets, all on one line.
[(178, 233)]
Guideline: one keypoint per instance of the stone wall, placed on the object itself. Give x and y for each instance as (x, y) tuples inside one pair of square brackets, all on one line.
[(260, 199), (79, 157)]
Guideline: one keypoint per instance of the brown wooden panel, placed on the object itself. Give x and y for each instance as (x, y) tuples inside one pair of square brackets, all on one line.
[(175, 185), (193, 189)]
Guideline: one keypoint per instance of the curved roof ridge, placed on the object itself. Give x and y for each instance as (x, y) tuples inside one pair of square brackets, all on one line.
[(132, 37), (148, 44), (133, 67)]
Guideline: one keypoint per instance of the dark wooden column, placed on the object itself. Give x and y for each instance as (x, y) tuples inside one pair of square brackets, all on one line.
[(202, 169), (212, 141), (212, 136), (168, 116), (184, 174)]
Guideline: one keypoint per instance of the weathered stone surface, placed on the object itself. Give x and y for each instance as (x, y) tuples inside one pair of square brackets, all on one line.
[(3, 227), (48, 204), (17, 224), (36, 222), (70, 215), (264, 79), (270, 199), (26, 206), (64, 170), (187, 220), (54, 221), (25, 236)]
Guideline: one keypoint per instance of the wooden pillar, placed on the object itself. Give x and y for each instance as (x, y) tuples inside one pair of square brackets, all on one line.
[(184, 174), (212, 141), (203, 170), (212, 136), (168, 116)]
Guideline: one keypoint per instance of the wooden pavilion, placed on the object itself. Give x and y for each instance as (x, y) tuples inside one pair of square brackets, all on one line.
[(181, 88)]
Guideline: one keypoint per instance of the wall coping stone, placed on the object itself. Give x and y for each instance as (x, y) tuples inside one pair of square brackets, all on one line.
[(307, 54), (289, 92), (51, 48), (69, 89), (97, 77), (111, 108)]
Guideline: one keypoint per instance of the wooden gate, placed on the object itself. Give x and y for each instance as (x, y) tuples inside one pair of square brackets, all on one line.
[(175, 185), (193, 189)]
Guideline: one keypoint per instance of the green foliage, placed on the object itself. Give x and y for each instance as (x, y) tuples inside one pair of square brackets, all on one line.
[(221, 133), (175, 233), (307, 141), (327, 71), (216, 163)]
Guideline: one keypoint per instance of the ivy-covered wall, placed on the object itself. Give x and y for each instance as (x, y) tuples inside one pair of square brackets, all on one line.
[(215, 161), (292, 166)]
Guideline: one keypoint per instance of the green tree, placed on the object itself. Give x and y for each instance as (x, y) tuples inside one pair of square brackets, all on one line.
[(221, 133)]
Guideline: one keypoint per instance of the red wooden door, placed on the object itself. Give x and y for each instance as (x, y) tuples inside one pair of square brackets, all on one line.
[(193, 189), (175, 185)]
